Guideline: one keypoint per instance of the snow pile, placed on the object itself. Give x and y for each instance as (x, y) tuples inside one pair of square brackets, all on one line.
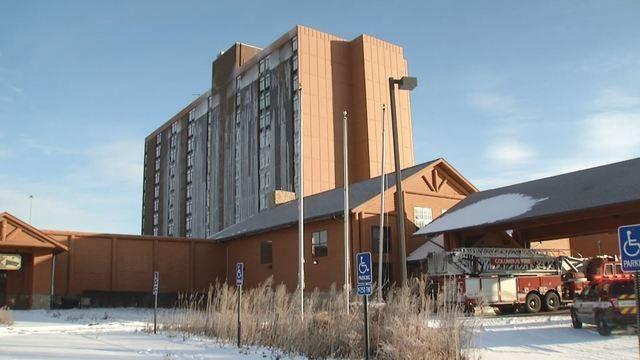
[(432, 245), (487, 211)]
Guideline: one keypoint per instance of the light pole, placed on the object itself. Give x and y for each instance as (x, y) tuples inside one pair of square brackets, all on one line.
[(347, 251), (301, 206), (30, 207), (404, 83)]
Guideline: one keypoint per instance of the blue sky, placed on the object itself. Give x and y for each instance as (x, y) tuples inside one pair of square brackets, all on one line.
[(509, 91)]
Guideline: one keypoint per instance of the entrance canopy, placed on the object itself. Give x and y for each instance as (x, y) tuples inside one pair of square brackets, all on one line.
[(18, 235), (583, 202)]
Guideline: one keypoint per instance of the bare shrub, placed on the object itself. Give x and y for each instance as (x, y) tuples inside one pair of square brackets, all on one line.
[(5, 316), (408, 326)]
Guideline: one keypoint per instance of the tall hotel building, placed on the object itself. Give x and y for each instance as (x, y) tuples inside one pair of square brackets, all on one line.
[(233, 152)]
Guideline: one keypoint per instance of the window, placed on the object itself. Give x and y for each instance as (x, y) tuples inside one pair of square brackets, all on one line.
[(155, 219), (189, 175), (159, 138), (189, 191), (294, 43), (190, 144), (157, 163), (192, 114), (189, 207), (375, 239), (174, 129), (157, 177), (156, 191), (319, 244), (294, 62), (608, 269), (158, 151), (422, 216), (156, 205), (190, 159), (170, 230), (266, 252), (189, 223), (191, 129), (155, 231)]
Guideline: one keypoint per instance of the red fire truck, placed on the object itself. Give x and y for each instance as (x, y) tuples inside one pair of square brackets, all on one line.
[(509, 279)]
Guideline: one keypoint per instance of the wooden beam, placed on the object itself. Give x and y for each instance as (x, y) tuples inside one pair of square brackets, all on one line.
[(15, 232), (444, 181), (434, 177), (426, 181)]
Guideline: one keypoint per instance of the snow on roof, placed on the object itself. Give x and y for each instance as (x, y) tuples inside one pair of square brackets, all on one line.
[(486, 211), (432, 245)]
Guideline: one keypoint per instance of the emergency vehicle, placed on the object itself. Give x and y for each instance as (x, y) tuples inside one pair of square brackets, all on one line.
[(509, 279), (607, 303)]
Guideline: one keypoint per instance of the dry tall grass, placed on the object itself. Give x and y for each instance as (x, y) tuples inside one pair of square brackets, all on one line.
[(5, 316), (407, 326)]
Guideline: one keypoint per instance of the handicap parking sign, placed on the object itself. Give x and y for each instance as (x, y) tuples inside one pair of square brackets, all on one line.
[(629, 238), (239, 273), (363, 266), (364, 289)]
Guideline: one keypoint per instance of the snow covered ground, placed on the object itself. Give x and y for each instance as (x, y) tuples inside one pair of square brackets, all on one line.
[(119, 333), (550, 337), (105, 334)]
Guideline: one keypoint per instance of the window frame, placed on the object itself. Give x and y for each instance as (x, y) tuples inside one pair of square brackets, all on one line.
[(321, 243)]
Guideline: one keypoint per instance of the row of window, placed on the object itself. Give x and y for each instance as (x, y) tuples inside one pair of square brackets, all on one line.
[(156, 185), (173, 152), (190, 161)]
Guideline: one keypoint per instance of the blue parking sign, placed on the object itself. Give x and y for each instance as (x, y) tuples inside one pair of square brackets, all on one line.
[(363, 266), (629, 237), (239, 273)]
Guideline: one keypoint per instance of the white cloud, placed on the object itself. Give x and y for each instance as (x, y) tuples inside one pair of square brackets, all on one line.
[(612, 135), (600, 139), (493, 102), (50, 212), (121, 160), (509, 152), (616, 98)]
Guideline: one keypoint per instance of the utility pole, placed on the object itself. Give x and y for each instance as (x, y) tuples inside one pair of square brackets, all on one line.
[(30, 207), (300, 205), (381, 231), (347, 251), (405, 83)]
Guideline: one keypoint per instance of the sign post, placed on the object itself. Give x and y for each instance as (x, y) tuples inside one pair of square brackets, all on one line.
[(156, 284), (239, 282), (629, 241), (363, 264)]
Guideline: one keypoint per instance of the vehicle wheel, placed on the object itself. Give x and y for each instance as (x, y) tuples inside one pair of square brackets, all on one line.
[(603, 327), (506, 309), (577, 324), (551, 301), (533, 303), (469, 309)]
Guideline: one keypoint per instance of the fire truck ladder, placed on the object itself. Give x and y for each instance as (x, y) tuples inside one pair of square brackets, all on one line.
[(514, 260)]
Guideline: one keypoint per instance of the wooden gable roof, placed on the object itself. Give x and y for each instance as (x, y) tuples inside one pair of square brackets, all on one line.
[(17, 233)]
